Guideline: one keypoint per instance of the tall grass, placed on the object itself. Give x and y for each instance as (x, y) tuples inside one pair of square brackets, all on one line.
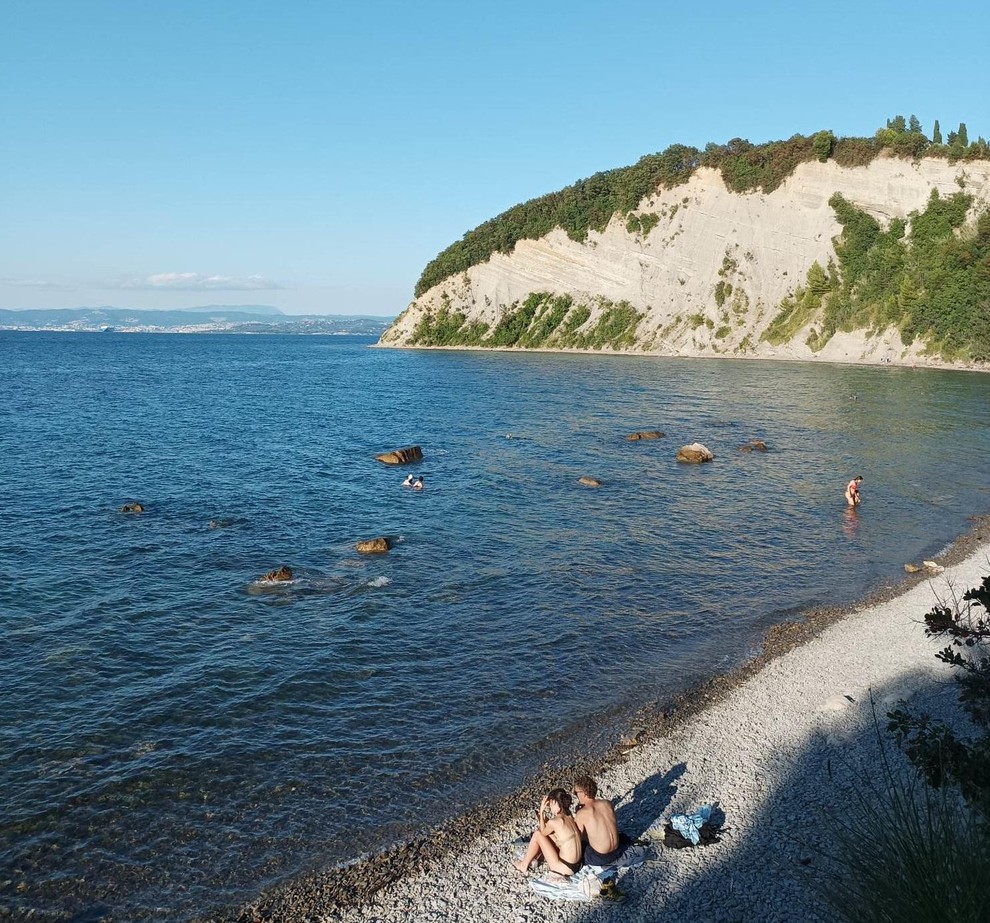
[(908, 853)]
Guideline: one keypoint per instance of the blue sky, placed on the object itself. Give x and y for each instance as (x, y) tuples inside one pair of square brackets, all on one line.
[(316, 155)]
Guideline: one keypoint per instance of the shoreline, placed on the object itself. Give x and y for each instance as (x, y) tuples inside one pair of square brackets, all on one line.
[(459, 870), (915, 363)]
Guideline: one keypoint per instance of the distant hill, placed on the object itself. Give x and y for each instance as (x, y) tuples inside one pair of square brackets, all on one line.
[(204, 319), (247, 308)]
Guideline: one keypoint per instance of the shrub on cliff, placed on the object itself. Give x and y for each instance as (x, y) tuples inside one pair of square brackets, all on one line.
[(928, 276)]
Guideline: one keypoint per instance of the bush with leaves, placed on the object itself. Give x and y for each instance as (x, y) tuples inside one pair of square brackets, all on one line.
[(943, 755)]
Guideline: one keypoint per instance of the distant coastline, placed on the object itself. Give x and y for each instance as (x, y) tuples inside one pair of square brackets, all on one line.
[(241, 319), (852, 356)]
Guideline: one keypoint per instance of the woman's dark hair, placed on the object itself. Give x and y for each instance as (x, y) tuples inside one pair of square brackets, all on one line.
[(562, 799)]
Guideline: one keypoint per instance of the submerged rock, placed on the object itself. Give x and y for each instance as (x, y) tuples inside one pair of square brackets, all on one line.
[(695, 453), (224, 523), (282, 575), (589, 481), (645, 434), (401, 456), (132, 508), (754, 445), (911, 568), (374, 545)]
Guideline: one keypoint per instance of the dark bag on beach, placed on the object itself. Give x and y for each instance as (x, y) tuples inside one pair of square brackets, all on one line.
[(675, 840)]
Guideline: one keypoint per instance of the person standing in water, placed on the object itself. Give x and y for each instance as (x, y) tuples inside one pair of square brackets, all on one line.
[(852, 491)]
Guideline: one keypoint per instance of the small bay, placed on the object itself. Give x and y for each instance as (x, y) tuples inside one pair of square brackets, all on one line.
[(176, 737)]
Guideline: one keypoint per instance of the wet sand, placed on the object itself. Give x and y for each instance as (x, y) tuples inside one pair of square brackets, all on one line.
[(781, 744)]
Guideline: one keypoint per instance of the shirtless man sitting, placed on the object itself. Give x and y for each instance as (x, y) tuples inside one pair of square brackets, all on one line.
[(595, 818)]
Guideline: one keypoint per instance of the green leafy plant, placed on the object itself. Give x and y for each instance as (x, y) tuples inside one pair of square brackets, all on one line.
[(919, 848), (910, 855), (944, 756), (929, 277)]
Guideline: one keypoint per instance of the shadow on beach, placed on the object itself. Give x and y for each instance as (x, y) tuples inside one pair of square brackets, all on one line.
[(778, 863)]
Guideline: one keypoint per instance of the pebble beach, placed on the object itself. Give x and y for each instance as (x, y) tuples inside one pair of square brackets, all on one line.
[(781, 747)]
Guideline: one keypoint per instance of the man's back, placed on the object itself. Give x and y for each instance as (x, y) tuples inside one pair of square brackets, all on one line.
[(596, 819)]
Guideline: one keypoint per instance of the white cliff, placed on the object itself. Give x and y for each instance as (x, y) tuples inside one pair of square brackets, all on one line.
[(762, 244)]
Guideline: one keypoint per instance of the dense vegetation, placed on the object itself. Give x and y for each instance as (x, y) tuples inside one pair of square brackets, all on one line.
[(591, 203), (928, 277), (542, 320), (919, 850), (944, 756)]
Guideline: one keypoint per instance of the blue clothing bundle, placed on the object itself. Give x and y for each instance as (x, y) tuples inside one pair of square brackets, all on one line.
[(689, 825)]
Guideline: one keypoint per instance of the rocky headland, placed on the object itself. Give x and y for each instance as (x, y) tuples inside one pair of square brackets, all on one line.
[(696, 269)]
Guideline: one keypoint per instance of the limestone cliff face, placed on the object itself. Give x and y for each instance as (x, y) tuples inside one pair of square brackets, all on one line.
[(760, 244)]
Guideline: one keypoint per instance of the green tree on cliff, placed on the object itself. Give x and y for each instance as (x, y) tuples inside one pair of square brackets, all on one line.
[(823, 143)]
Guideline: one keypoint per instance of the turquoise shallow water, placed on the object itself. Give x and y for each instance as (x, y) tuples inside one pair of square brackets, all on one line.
[(175, 738)]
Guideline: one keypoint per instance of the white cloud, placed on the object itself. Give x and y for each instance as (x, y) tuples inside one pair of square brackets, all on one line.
[(36, 283), (197, 282)]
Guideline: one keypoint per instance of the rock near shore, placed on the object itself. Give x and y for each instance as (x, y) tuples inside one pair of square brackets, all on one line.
[(404, 456), (374, 545), (695, 453)]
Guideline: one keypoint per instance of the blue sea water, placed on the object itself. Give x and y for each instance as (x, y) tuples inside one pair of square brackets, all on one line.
[(176, 737)]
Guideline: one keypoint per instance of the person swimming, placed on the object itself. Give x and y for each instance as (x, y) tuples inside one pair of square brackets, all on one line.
[(418, 485), (408, 482)]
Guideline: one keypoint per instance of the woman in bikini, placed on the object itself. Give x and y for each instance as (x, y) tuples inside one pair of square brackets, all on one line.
[(556, 838)]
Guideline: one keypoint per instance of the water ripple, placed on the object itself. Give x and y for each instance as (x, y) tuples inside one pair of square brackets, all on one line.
[(178, 735)]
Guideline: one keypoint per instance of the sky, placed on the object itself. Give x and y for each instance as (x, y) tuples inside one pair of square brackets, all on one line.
[(315, 156)]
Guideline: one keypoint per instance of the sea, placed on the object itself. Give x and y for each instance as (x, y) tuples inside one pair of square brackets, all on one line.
[(177, 735)]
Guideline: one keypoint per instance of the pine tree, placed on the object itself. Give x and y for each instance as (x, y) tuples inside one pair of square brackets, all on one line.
[(936, 134)]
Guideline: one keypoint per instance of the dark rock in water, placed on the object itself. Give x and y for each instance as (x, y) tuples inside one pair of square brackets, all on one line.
[(374, 545), (401, 456), (589, 482), (754, 445), (695, 453), (282, 575), (132, 508), (645, 434)]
